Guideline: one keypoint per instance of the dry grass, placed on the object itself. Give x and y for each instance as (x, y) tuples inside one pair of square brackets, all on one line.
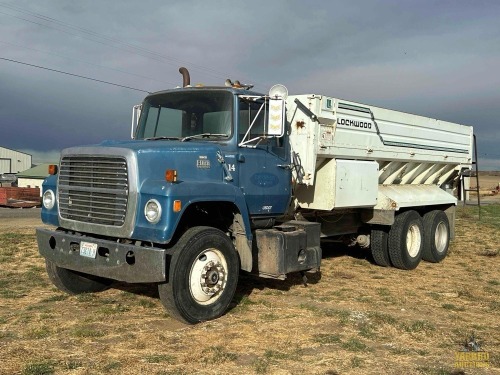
[(357, 318)]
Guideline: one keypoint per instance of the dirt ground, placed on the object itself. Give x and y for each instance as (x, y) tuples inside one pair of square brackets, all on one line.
[(353, 318), (489, 187), (487, 180)]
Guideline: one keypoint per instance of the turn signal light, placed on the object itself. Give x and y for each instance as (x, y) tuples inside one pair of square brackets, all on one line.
[(171, 175), (52, 169), (177, 206)]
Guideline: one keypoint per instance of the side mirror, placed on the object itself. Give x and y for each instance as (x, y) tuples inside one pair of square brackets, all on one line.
[(136, 114), (277, 118)]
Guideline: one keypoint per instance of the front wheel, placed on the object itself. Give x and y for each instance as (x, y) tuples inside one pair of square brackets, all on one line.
[(202, 276), (73, 282)]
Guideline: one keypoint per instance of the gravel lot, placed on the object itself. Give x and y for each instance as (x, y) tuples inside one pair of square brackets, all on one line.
[(20, 213), (20, 217)]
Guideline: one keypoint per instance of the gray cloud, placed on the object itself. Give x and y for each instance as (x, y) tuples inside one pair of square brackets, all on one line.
[(435, 58)]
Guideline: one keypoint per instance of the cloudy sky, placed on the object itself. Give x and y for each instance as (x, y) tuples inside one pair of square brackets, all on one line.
[(435, 58)]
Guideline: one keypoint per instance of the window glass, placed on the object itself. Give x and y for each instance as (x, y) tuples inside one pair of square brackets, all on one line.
[(187, 113), (248, 112)]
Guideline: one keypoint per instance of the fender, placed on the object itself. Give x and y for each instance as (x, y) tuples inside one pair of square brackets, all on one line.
[(191, 192), (51, 216), (188, 192)]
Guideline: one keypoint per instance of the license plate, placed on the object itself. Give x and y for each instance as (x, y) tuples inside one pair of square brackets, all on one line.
[(88, 249)]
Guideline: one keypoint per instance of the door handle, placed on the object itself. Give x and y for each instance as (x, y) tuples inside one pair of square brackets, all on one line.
[(285, 166)]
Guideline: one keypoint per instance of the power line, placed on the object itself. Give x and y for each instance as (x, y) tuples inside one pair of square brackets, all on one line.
[(75, 34), (99, 35), (108, 44), (87, 62), (73, 75), (144, 51)]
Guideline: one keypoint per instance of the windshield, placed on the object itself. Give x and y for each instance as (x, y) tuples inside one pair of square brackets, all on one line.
[(187, 115)]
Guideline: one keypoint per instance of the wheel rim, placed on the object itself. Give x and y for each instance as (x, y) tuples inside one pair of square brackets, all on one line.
[(413, 240), (441, 237), (207, 278)]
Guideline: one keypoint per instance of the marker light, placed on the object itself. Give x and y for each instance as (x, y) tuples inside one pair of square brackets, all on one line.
[(152, 211), (171, 175), (177, 206), (52, 169)]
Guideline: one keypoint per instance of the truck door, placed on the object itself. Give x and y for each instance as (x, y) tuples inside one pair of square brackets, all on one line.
[(264, 175)]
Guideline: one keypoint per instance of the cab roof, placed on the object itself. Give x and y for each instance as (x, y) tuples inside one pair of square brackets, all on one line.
[(233, 90)]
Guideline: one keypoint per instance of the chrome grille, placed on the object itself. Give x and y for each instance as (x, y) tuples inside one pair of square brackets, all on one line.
[(94, 189)]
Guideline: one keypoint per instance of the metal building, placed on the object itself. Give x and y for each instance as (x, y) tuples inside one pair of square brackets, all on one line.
[(12, 161)]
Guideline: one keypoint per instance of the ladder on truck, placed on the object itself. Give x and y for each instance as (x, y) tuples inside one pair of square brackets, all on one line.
[(471, 173)]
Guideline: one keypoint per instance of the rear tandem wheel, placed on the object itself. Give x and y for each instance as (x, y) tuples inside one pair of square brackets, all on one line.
[(436, 236), (406, 238), (379, 246)]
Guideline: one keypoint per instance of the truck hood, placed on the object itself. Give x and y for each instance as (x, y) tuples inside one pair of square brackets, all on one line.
[(192, 160)]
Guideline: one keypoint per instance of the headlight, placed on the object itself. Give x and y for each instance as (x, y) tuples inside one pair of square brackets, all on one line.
[(49, 199), (152, 211)]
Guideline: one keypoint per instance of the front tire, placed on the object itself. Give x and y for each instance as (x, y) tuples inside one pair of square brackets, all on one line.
[(406, 240), (436, 236), (73, 282), (202, 277)]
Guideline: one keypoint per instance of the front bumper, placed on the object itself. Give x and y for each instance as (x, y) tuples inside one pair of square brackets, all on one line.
[(117, 261)]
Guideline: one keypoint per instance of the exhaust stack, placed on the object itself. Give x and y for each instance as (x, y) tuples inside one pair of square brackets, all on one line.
[(186, 80)]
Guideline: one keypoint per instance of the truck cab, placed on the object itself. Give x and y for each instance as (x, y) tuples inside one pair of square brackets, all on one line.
[(236, 123)]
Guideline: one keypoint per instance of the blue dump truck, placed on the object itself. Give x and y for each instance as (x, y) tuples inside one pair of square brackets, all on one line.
[(221, 179)]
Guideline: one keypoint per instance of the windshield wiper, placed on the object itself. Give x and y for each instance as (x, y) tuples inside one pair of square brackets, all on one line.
[(203, 135), (162, 137)]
